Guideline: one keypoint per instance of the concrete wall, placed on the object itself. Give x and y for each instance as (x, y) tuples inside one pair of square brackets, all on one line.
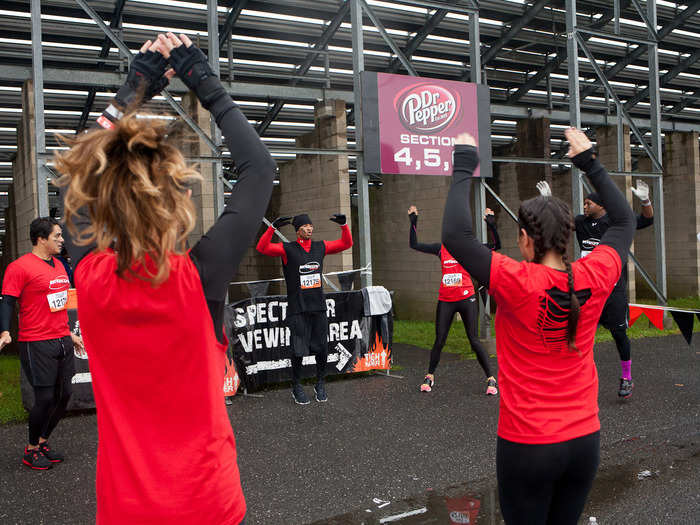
[(682, 207)]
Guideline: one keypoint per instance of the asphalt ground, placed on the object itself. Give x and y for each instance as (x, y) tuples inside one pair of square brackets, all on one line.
[(380, 449)]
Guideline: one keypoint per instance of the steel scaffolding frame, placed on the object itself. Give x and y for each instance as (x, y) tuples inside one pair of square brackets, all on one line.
[(576, 38)]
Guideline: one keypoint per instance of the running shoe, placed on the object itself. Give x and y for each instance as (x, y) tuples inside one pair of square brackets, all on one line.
[(35, 459), (428, 383), (626, 386), (491, 386), (300, 397), (52, 455), (320, 391)]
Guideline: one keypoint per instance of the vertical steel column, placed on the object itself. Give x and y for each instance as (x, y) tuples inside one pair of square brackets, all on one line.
[(42, 187), (655, 122), (358, 65), (217, 165), (479, 189), (620, 139), (574, 105)]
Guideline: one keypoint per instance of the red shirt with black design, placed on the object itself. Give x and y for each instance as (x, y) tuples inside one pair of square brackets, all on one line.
[(275, 249), (549, 393), (456, 284), (166, 453), (42, 292)]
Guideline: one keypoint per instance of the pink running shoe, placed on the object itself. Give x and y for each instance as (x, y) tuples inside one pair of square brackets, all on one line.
[(428, 383), (491, 386)]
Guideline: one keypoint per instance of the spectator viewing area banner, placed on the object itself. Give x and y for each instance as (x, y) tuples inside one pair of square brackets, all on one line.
[(409, 123), (259, 352), (259, 339)]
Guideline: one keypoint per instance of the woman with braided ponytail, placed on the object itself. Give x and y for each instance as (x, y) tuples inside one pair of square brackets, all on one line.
[(548, 444)]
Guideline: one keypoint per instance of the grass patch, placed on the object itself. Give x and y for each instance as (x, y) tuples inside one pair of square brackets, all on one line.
[(422, 333), (11, 409)]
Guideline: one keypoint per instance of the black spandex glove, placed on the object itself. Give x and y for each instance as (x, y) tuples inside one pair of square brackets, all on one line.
[(339, 218), (281, 221), (145, 73), (193, 68)]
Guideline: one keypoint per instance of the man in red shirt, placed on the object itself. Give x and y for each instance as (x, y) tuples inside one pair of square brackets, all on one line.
[(39, 283), (302, 262)]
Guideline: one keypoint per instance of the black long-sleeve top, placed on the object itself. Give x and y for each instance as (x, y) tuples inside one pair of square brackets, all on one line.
[(434, 248), (457, 231), (219, 252)]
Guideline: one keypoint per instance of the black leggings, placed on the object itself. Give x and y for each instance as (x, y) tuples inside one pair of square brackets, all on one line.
[(622, 341), (546, 484), (50, 404), (469, 311)]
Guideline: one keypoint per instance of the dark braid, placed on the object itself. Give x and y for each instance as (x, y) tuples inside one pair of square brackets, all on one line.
[(548, 221)]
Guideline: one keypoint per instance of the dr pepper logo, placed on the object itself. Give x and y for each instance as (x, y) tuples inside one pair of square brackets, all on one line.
[(427, 108)]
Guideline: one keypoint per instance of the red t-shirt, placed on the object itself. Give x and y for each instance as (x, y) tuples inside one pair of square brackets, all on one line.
[(42, 292), (549, 393), (456, 284), (166, 454)]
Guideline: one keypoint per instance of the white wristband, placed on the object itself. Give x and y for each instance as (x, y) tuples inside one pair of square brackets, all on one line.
[(646, 203)]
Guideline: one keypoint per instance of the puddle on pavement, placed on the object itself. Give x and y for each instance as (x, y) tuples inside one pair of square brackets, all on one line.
[(456, 505), (477, 502)]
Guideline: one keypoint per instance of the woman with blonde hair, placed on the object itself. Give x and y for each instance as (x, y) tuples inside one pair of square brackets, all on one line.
[(150, 310)]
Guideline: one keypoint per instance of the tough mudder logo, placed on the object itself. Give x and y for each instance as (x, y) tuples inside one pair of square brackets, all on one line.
[(426, 108), (589, 244), (309, 267), (450, 262)]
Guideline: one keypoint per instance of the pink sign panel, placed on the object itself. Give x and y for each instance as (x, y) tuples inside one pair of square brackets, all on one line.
[(417, 120)]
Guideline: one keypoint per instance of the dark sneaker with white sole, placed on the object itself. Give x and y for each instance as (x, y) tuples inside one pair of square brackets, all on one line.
[(626, 386), (51, 454), (300, 397), (35, 459), (320, 391)]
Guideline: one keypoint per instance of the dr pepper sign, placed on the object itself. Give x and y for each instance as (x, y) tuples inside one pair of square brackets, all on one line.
[(409, 123)]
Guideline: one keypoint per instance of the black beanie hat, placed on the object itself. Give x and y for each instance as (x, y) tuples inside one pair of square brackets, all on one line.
[(595, 198), (299, 220)]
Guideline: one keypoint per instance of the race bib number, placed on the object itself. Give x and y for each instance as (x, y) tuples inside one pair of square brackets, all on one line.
[(58, 300), (452, 279), (310, 281)]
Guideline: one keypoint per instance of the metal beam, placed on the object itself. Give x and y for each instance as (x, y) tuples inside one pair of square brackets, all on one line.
[(645, 18), (418, 39), (125, 49), (114, 23), (320, 44), (519, 24), (640, 137), (363, 214), (42, 187), (474, 50), (683, 102), (231, 19), (387, 38), (217, 174), (574, 104), (665, 79), (636, 53), (443, 5), (559, 58)]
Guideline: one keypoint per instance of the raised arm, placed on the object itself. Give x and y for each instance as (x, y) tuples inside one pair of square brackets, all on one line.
[(148, 75), (266, 247), (433, 248), (218, 253), (495, 241), (345, 240), (457, 229), (622, 220)]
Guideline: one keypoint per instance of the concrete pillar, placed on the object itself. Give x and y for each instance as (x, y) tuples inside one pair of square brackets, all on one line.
[(193, 146), (24, 174), (606, 138), (682, 199)]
